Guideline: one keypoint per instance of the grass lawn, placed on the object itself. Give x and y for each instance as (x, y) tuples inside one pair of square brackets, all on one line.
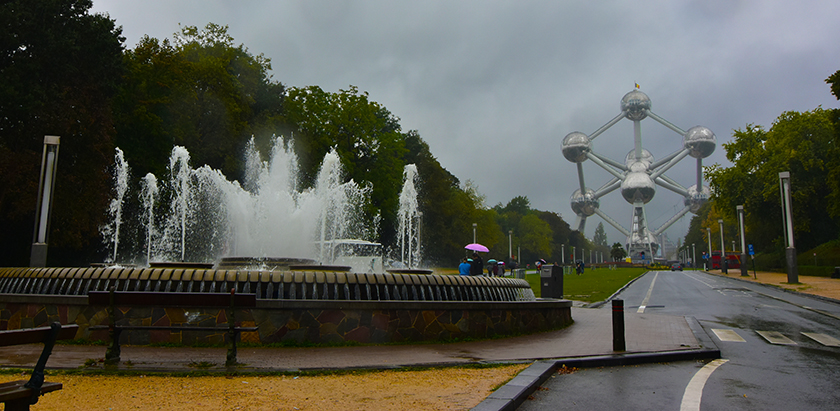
[(592, 285)]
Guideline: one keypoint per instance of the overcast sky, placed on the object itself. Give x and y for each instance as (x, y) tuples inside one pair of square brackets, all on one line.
[(494, 86)]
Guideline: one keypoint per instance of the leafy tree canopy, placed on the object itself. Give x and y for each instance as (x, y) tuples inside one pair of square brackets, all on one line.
[(59, 68)]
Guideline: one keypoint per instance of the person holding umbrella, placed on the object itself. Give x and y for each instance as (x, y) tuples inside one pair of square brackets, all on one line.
[(477, 264)]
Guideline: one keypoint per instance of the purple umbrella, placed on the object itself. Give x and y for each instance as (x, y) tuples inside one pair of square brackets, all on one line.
[(477, 247)]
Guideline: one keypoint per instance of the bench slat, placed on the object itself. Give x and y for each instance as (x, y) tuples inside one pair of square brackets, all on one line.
[(172, 327), (172, 299), (35, 335), (15, 390)]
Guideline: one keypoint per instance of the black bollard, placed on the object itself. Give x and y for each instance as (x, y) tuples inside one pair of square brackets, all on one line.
[(618, 325)]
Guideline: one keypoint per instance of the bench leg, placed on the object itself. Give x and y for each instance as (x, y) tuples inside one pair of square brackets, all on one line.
[(21, 404), (231, 352), (112, 354)]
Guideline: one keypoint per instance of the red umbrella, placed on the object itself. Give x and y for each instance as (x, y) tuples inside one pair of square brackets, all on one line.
[(477, 247)]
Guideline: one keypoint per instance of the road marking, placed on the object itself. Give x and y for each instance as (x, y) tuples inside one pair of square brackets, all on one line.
[(727, 335), (823, 339), (775, 337), (647, 297), (694, 390)]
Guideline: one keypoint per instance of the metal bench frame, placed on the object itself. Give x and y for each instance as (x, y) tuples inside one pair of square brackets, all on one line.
[(113, 298), (19, 395)]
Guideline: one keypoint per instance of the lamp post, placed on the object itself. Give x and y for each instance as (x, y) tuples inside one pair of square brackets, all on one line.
[(510, 244), (693, 256), (787, 217), (49, 160), (563, 253), (474, 226), (740, 210), (709, 239), (722, 249)]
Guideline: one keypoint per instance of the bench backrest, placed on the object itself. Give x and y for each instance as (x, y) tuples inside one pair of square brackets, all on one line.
[(172, 299)]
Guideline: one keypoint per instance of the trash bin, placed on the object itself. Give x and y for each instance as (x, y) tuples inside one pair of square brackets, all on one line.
[(551, 281)]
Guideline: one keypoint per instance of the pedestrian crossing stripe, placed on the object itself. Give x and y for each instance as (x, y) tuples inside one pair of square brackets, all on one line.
[(775, 337), (823, 339), (727, 335)]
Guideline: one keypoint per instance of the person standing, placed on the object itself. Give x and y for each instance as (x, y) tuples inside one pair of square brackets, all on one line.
[(464, 268), (477, 265)]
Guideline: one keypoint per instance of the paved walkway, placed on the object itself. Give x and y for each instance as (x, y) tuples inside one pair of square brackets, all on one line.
[(590, 335)]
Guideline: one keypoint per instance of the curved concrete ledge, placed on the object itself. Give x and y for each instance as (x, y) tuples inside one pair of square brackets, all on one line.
[(279, 285)]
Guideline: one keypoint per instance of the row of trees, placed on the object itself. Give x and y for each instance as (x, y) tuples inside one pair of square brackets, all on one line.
[(66, 72), (807, 145)]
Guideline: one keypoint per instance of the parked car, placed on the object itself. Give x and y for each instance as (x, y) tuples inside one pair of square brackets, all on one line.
[(676, 267)]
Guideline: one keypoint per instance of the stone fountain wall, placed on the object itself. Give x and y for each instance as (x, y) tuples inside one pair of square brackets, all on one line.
[(490, 306)]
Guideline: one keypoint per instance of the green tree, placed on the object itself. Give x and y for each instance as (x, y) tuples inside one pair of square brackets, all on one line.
[(617, 252), (59, 69), (535, 236), (365, 134), (804, 144), (201, 91), (600, 238)]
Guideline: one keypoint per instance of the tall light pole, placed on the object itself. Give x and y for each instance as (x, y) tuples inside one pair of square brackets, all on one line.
[(474, 226), (510, 244), (787, 214), (740, 210), (49, 160), (709, 239), (722, 249), (563, 253), (693, 256)]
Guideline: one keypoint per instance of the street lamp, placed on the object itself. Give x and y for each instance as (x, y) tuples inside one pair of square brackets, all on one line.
[(474, 226), (709, 239), (510, 244), (49, 160), (563, 253), (787, 217), (722, 249), (693, 256), (740, 210)]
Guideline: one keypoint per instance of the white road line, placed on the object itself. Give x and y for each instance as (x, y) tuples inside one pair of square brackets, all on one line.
[(775, 337), (727, 335), (823, 339), (647, 297), (699, 280), (694, 389)]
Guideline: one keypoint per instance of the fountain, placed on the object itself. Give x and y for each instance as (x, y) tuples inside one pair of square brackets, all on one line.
[(300, 295), (111, 231)]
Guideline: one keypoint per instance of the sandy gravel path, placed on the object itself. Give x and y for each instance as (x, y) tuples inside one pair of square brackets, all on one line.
[(434, 389)]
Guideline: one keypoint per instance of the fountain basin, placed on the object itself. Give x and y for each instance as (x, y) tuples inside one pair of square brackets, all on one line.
[(302, 306)]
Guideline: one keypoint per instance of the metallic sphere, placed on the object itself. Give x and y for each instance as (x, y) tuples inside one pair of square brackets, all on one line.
[(637, 187), (700, 142), (575, 146), (696, 199), (638, 164), (584, 204), (634, 104)]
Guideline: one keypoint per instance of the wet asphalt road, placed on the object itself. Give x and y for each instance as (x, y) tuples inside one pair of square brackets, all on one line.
[(795, 374)]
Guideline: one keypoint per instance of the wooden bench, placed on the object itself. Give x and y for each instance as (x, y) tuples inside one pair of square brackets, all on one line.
[(113, 299), (18, 395)]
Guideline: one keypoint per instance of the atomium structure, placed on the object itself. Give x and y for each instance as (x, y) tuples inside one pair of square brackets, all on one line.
[(638, 175)]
